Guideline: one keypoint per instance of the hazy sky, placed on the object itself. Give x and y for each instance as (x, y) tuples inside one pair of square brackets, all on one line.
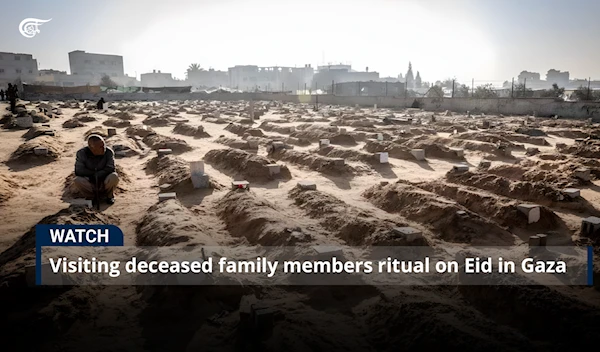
[(489, 40)]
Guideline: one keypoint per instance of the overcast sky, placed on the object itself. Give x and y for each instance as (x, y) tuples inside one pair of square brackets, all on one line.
[(489, 40)]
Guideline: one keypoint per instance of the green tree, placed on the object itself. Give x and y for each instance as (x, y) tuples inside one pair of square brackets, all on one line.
[(461, 91), (520, 91), (555, 92), (435, 92), (485, 91)]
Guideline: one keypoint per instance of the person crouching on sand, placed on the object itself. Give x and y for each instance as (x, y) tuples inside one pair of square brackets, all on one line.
[(95, 170)]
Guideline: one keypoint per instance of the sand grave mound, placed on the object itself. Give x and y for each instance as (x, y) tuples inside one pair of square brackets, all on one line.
[(534, 309), (139, 131), (237, 129), (342, 139), (258, 221), (112, 122), (538, 192), (236, 143), (438, 213), (559, 174), (173, 173), (38, 118), (451, 129), (157, 121), (99, 130), (189, 130), (532, 132), (355, 226), (408, 320), (521, 138), (169, 223), (500, 209), (314, 162), (245, 165), (7, 188), (271, 127), (35, 132), (123, 146), (485, 137), (394, 150), (216, 120), (311, 135), (581, 150), (70, 192), (124, 115), (432, 148), (573, 134), (158, 141), (73, 123), (25, 152), (22, 253)]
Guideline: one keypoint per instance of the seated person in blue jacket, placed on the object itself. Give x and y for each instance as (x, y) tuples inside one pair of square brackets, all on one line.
[(95, 170)]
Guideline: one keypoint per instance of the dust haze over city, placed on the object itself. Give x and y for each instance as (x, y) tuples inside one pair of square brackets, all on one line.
[(399, 134)]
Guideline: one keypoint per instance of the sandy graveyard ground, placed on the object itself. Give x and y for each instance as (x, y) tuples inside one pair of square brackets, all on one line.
[(358, 202)]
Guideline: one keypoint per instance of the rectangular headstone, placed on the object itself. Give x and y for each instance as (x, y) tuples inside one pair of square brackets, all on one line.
[(409, 233), (532, 211), (460, 168), (82, 201), (324, 143), (419, 154), (200, 180), (274, 169), (583, 174), (328, 251), (342, 131), (307, 185), (383, 157), (163, 152), (572, 192), (590, 225), (534, 241), (543, 239), (459, 152), (484, 164), (240, 185), (338, 161), (379, 136), (112, 131), (197, 167), (165, 196)]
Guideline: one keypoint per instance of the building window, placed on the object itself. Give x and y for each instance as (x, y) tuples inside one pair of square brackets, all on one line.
[(17, 57), (18, 71)]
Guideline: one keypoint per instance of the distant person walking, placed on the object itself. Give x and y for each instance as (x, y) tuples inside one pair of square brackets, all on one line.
[(1, 94), (12, 96), (100, 105)]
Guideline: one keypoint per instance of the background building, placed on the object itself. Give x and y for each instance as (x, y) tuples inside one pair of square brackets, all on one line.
[(83, 63), (371, 88), (16, 67), (339, 74), (272, 78)]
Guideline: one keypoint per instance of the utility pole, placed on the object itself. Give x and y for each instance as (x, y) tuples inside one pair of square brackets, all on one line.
[(524, 86), (589, 92), (282, 90), (304, 89), (512, 88), (472, 87), (332, 85), (453, 88), (386, 88)]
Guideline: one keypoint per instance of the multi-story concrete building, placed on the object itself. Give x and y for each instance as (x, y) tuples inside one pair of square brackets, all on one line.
[(272, 78), (98, 65), (340, 74), (16, 67), (208, 78), (560, 78)]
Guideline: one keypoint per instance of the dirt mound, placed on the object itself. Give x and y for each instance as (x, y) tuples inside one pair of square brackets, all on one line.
[(99, 130), (497, 208), (533, 132), (394, 150), (39, 118), (432, 148), (157, 121), (355, 226), (189, 130), (484, 137), (237, 129), (533, 310), (237, 143), (22, 253), (258, 221), (169, 223), (538, 192), (243, 165), (70, 192), (7, 188), (440, 214), (173, 173), (73, 123), (580, 149), (116, 123), (158, 141), (314, 162), (451, 129), (342, 139), (521, 138), (123, 146), (559, 174), (269, 126), (124, 115), (139, 131), (25, 152), (35, 131), (569, 133), (311, 135)]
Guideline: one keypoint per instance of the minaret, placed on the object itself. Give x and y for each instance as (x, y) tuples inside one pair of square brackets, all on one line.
[(418, 80), (410, 80)]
